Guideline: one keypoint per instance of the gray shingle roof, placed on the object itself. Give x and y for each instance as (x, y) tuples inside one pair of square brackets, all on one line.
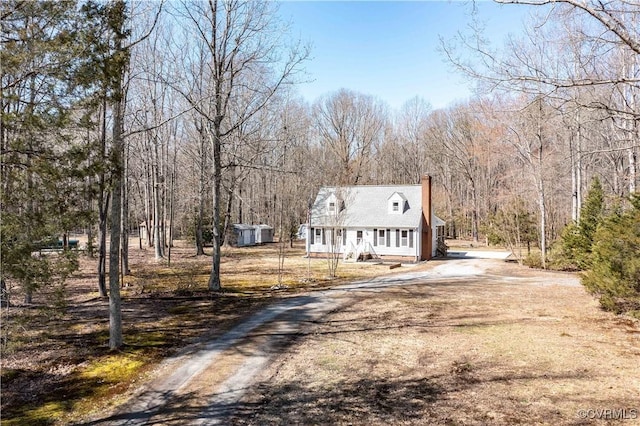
[(367, 206)]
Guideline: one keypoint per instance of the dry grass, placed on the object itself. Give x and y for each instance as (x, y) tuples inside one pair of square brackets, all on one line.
[(56, 365), (515, 347), (518, 348)]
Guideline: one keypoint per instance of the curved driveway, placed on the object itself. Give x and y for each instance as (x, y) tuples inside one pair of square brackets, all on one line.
[(214, 377)]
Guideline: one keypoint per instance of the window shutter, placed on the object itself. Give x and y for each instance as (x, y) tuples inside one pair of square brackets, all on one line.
[(312, 232), (375, 237), (410, 237), (344, 237), (324, 238), (388, 237), (397, 238)]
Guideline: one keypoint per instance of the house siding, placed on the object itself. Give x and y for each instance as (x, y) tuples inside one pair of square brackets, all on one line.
[(368, 239)]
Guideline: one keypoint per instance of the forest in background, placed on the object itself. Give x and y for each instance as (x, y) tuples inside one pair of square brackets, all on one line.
[(184, 117)]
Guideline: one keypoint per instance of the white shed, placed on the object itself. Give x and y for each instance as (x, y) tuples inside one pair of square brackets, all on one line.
[(142, 230), (264, 234), (243, 235)]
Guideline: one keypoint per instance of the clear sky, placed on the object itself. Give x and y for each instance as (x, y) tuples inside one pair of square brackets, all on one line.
[(389, 49)]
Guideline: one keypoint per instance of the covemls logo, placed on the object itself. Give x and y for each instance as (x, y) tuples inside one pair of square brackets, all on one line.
[(609, 414)]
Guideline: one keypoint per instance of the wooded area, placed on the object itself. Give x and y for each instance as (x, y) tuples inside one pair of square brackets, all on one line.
[(184, 117)]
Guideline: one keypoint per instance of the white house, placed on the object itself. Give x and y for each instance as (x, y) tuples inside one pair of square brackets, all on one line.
[(385, 221)]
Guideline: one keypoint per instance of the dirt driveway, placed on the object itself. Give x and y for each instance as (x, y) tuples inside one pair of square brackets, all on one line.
[(464, 341)]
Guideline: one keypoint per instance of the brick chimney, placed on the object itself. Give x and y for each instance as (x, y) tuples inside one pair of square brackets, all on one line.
[(427, 237)]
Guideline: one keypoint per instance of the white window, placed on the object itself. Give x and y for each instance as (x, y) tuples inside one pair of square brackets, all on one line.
[(358, 237), (332, 204), (397, 203), (378, 237), (404, 238)]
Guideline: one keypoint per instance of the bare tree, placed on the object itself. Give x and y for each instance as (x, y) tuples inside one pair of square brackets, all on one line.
[(412, 126), (531, 139), (581, 52), (118, 18), (241, 42), (350, 125)]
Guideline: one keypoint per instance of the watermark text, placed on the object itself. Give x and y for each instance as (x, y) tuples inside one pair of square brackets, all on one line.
[(608, 414)]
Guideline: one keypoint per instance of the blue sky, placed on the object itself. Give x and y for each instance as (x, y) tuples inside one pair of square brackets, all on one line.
[(389, 49)]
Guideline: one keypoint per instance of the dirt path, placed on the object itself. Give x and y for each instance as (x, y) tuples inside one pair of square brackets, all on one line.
[(465, 341)]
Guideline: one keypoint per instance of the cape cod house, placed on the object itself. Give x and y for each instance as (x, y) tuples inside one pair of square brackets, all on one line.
[(385, 221)]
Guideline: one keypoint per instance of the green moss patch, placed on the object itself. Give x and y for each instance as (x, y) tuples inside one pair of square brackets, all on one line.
[(113, 368)]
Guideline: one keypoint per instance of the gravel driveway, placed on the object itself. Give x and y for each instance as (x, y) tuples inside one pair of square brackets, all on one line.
[(402, 348)]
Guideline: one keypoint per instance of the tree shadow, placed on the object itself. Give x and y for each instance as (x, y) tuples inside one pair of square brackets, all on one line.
[(293, 404)]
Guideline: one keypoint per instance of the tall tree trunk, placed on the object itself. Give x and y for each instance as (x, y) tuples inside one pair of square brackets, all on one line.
[(171, 203), (117, 166), (125, 214), (541, 191), (199, 225), (633, 171), (115, 312), (575, 153), (214, 278), (240, 203), (201, 192), (543, 222), (166, 175), (148, 196), (102, 246), (157, 222), (157, 202), (474, 213), (90, 243), (103, 208)]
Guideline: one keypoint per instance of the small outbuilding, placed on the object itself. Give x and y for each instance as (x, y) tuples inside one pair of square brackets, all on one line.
[(143, 234), (302, 232), (243, 235), (264, 234)]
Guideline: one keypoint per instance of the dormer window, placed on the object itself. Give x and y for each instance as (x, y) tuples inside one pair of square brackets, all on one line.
[(397, 203), (334, 205)]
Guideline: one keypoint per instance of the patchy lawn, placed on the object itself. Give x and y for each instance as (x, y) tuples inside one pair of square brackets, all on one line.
[(512, 346), (56, 366), (483, 342)]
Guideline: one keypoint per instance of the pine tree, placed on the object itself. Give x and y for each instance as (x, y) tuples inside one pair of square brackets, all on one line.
[(512, 226), (40, 157), (592, 210), (577, 238), (615, 268)]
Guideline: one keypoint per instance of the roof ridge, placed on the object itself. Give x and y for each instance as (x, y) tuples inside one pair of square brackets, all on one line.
[(371, 185)]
